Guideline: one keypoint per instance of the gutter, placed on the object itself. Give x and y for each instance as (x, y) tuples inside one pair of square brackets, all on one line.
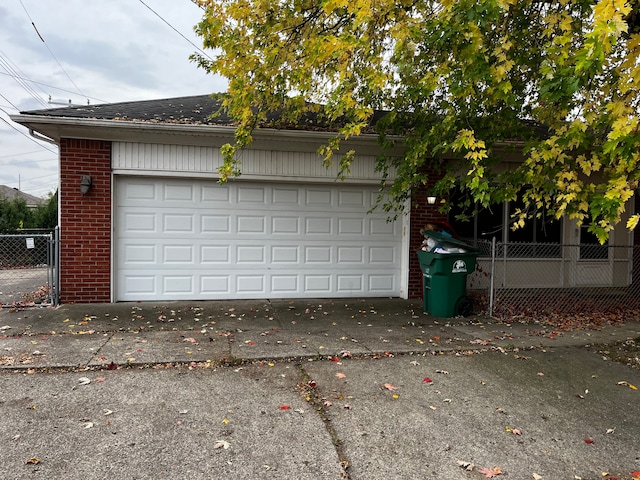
[(42, 138)]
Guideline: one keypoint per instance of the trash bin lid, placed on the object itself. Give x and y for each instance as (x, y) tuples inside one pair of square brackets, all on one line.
[(444, 238)]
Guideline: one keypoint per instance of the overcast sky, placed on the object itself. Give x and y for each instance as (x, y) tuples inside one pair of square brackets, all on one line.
[(103, 51)]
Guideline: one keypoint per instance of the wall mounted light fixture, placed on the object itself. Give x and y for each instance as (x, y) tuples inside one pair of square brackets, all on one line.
[(85, 184), (431, 200)]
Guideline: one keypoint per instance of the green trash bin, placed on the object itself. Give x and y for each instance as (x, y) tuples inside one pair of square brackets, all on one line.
[(444, 276)]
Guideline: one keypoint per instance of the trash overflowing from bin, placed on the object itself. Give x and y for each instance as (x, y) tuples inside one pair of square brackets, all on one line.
[(431, 244), (445, 262)]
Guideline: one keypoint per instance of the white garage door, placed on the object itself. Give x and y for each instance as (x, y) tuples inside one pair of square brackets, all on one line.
[(184, 239)]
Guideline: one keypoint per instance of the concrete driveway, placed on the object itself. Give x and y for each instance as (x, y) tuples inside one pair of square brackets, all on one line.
[(359, 389)]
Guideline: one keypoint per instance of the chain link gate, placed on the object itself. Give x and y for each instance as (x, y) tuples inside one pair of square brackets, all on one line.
[(28, 269)]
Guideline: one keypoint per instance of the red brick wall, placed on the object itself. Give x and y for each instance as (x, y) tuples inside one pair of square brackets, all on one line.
[(85, 222), (421, 214)]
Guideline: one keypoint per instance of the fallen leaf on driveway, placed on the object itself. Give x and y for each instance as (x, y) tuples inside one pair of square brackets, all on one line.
[(221, 444), (627, 384), (285, 407), (491, 472), (589, 441), (537, 477), (427, 380), (340, 375), (100, 379), (5, 328), (32, 461), (84, 381), (390, 387)]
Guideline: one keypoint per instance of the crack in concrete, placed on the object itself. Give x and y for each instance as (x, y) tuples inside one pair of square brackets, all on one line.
[(99, 349), (309, 390)]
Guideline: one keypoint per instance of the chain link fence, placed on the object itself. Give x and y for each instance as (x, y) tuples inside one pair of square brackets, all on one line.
[(28, 273), (544, 281)]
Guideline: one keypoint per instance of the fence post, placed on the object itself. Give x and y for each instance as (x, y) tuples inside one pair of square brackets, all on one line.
[(55, 289), (493, 271)]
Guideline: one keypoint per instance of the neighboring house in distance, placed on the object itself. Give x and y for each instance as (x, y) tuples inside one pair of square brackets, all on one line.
[(12, 193), (154, 223)]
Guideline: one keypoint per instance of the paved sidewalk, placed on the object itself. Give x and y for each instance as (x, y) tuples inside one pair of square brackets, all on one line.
[(245, 330)]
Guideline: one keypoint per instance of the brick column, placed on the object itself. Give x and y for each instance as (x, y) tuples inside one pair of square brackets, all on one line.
[(85, 222), (421, 214)]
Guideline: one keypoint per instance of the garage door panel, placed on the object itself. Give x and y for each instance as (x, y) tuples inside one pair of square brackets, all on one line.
[(180, 223), (281, 225), (318, 197), (215, 254), (215, 224), (140, 222), (174, 285), (285, 197), (285, 254), (251, 224), (215, 194), (381, 227), (350, 226), (251, 196), (178, 239), (351, 198), (179, 254), (215, 285), (384, 255), (382, 283), (179, 193)]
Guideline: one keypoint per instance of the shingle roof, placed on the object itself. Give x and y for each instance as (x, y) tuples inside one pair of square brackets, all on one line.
[(199, 110), (192, 110), (12, 193), (196, 109)]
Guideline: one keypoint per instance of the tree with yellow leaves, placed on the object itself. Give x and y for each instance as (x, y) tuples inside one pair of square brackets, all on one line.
[(458, 80)]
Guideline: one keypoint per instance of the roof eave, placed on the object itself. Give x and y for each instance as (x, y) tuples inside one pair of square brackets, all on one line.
[(56, 128)]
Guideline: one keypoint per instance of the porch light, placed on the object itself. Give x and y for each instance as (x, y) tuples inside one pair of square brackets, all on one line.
[(431, 200), (85, 184)]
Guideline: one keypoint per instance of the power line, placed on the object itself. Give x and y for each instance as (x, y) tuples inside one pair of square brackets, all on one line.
[(54, 57), (14, 72), (27, 161), (18, 154), (175, 30), (23, 77), (9, 102)]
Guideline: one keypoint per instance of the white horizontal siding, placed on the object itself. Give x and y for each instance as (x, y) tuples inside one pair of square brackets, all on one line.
[(128, 157)]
